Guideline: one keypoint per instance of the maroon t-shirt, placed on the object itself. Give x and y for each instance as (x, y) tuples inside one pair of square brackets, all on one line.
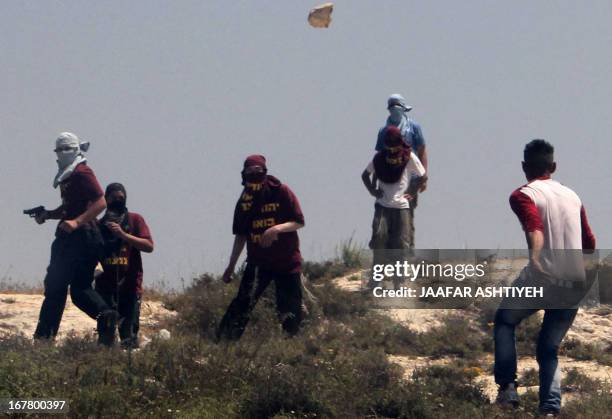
[(254, 215), (78, 191), (129, 259)]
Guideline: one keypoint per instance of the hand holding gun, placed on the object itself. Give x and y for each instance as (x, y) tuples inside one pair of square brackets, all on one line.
[(39, 214)]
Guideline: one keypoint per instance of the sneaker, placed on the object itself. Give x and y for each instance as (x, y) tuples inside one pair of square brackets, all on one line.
[(107, 325), (548, 413), (507, 396)]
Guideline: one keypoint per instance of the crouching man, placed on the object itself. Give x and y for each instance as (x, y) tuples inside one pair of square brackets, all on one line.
[(125, 235), (266, 218)]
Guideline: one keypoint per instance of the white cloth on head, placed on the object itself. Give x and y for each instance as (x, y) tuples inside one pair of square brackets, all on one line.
[(70, 153)]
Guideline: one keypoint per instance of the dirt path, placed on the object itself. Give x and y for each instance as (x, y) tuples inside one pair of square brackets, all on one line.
[(19, 314)]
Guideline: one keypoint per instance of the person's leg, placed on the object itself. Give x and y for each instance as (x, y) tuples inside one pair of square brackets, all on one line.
[(83, 296), (107, 296), (56, 290), (289, 301), (555, 326), (81, 291), (129, 314), (399, 238), (136, 323), (506, 321), (378, 242), (234, 322), (404, 238), (414, 202)]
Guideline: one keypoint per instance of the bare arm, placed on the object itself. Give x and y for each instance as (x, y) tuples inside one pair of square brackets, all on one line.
[(95, 208), (144, 245), (288, 227), (535, 242), (370, 184), (139, 243), (421, 153), (271, 234), (239, 242)]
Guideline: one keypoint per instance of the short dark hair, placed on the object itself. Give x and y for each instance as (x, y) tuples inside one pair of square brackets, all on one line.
[(539, 155)]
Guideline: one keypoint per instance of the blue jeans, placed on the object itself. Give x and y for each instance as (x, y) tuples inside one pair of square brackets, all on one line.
[(554, 327)]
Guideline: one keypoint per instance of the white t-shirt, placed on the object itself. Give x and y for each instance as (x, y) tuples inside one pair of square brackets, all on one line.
[(559, 209), (393, 193)]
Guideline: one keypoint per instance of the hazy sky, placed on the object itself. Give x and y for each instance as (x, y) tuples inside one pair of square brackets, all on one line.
[(173, 96)]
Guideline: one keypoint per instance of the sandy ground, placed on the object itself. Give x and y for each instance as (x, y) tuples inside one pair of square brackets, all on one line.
[(19, 314), (483, 368)]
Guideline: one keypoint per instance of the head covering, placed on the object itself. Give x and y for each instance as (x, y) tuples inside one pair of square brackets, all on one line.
[(113, 187), (255, 160), (255, 180), (112, 244), (398, 100), (396, 104), (389, 164), (70, 153), (393, 137)]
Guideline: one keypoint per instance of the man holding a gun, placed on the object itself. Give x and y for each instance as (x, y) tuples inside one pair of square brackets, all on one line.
[(125, 235), (76, 248)]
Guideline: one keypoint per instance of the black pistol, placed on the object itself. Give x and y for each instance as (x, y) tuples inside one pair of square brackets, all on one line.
[(33, 212)]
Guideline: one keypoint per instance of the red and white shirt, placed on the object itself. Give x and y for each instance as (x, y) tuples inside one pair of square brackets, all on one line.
[(554, 209)]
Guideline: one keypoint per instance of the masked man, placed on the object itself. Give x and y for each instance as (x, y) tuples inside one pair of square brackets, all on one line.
[(125, 235), (77, 244), (387, 178), (266, 218), (412, 134)]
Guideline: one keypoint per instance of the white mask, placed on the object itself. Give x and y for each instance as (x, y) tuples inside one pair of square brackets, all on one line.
[(66, 157), (69, 151)]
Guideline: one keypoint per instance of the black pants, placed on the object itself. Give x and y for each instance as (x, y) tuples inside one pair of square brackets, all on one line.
[(128, 306), (73, 260), (254, 283)]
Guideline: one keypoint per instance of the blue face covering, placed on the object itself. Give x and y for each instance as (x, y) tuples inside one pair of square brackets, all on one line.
[(396, 113)]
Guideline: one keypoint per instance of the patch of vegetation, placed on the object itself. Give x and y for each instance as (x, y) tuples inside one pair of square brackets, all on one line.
[(577, 382), (597, 404), (456, 337), (336, 367), (529, 378), (349, 258), (586, 351), (10, 286)]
